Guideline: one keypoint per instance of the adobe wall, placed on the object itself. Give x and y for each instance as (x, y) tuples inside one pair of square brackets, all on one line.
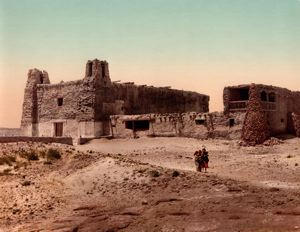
[(215, 125), (146, 99)]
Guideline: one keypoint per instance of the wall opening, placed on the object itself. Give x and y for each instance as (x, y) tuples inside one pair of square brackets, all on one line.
[(263, 96), (90, 69), (41, 79), (200, 121), (58, 129), (272, 97), (239, 94), (282, 120), (137, 125), (103, 69), (60, 101), (231, 122)]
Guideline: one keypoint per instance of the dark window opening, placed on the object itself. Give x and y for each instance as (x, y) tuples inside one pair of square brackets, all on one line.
[(263, 96), (60, 101), (90, 69), (137, 125), (200, 121), (239, 94), (231, 122), (103, 69), (282, 120), (41, 79), (58, 129), (271, 97)]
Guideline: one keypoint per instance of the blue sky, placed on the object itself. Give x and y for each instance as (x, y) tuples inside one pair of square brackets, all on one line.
[(199, 45)]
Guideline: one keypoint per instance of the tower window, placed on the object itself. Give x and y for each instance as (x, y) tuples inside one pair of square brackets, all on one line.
[(103, 69), (60, 101), (90, 69), (41, 79)]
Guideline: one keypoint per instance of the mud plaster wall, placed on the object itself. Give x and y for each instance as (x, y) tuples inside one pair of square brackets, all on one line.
[(216, 125)]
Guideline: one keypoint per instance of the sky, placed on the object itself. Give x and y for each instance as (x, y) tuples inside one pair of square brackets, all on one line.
[(197, 45)]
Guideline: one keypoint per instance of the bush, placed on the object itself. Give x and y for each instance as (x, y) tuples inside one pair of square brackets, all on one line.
[(53, 154), (29, 155), (7, 160), (154, 173)]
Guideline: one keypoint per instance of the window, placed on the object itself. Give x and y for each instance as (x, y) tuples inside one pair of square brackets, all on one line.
[(263, 96), (103, 69), (200, 121), (137, 125), (90, 69), (231, 122), (41, 79), (60, 101), (282, 120), (271, 97)]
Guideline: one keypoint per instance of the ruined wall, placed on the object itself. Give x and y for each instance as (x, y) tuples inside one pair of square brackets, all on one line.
[(196, 125)]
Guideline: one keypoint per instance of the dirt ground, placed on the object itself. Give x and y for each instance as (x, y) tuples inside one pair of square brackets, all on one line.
[(150, 184)]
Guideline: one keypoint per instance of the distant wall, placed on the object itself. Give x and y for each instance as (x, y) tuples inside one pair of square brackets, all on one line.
[(63, 140), (10, 132), (196, 125), (146, 99)]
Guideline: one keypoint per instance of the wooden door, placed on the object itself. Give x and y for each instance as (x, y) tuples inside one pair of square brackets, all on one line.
[(58, 127)]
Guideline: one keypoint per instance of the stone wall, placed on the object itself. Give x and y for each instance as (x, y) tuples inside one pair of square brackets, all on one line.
[(255, 128)]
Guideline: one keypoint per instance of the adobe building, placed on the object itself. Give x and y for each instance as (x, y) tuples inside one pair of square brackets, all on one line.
[(95, 106), (279, 114), (82, 108), (281, 106)]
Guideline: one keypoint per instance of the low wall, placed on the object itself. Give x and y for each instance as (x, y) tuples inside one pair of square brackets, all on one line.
[(14, 139), (10, 131)]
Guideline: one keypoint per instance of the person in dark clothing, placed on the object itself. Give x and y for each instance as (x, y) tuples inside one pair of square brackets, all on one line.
[(197, 159), (204, 159)]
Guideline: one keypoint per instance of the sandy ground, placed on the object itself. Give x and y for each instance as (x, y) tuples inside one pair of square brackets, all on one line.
[(150, 184)]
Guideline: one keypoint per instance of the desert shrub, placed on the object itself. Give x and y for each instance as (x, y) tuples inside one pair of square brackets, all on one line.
[(43, 153), (29, 155), (53, 154), (154, 173), (175, 173), (7, 159), (289, 156)]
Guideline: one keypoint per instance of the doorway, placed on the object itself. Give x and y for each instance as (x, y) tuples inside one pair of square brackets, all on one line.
[(58, 129)]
